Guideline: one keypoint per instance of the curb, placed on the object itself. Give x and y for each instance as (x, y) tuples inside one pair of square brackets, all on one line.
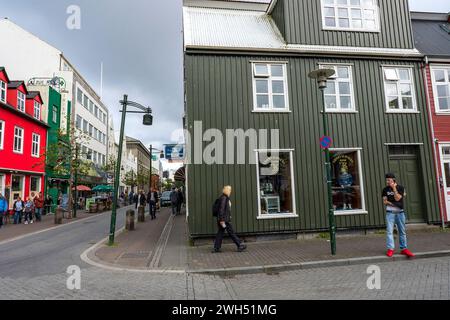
[(103, 265), (316, 264)]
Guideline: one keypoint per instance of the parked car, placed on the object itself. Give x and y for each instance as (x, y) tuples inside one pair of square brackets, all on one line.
[(165, 199)]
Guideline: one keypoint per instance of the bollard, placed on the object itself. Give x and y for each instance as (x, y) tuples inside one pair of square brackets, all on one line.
[(59, 215), (141, 214), (130, 220)]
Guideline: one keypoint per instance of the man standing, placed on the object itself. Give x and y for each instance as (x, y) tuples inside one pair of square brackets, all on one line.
[(174, 200), (18, 207), (140, 199), (393, 199), (3, 208), (39, 206), (224, 222), (152, 199)]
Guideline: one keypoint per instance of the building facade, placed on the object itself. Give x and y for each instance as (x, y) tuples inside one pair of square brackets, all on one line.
[(246, 75), (142, 155), (87, 115), (23, 137), (432, 38)]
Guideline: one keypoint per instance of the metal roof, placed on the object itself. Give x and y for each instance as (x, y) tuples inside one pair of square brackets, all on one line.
[(207, 27), (430, 35)]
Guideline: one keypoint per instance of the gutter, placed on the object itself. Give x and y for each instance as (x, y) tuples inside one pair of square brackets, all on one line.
[(434, 140)]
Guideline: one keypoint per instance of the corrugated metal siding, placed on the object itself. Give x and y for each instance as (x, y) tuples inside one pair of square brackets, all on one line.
[(219, 92), (301, 23)]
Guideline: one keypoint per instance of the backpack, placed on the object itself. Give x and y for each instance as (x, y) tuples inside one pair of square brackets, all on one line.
[(216, 208)]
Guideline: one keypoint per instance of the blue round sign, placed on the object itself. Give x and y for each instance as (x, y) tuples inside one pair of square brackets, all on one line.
[(325, 142)]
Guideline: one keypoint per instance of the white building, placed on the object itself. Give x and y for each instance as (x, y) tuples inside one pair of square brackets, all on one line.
[(32, 59)]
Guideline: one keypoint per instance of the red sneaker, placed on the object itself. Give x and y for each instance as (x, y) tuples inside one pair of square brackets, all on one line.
[(407, 253), (390, 253)]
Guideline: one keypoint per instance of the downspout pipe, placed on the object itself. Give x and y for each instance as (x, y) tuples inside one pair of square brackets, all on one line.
[(435, 141)]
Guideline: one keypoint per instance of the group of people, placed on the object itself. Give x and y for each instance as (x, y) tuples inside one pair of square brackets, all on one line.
[(29, 211), (176, 199), (152, 198)]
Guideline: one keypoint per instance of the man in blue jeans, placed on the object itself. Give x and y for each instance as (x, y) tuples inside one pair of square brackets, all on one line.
[(393, 199)]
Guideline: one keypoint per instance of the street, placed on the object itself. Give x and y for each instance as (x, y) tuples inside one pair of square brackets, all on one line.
[(35, 267)]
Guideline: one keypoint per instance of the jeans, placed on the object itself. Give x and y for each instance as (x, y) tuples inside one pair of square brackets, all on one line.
[(17, 217), (152, 209), (38, 213), (174, 208), (221, 233), (28, 216), (398, 219)]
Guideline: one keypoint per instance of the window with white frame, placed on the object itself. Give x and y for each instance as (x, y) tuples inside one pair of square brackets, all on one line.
[(339, 95), (37, 110), (2, 133), (441, 86), (276, 195), (35, 145), (55, 114), (352, 15), (3, 91), (80, 96), (18, 140), (347, 182), (399, 89), (85, 126), (20, 101), (85, 101), (270, 87)]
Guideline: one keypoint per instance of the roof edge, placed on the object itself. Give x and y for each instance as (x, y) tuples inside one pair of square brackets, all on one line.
[(227, 4), (429, 16)]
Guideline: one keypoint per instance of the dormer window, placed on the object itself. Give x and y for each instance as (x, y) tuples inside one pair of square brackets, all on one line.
[(3, 91), (350, 15), (37, 110), (20, 101)]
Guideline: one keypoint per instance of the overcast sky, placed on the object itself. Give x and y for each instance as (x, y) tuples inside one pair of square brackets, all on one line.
[(140, 44)]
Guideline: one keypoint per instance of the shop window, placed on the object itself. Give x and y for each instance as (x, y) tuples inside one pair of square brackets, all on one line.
[(347, 185), (275, 184), (35, 186)]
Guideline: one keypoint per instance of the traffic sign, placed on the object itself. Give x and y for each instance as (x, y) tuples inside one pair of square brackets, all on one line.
[(325, 142)]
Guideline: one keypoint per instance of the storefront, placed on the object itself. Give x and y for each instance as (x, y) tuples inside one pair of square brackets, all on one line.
[(444, 150), (23, 185)]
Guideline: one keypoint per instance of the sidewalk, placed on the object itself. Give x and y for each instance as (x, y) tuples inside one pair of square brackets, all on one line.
[(162, 245), (11, 230)]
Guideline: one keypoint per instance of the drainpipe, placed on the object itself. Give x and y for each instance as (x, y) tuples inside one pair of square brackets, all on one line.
[(430, 115)]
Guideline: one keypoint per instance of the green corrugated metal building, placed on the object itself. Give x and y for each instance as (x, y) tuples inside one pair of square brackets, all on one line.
[(248, 69)]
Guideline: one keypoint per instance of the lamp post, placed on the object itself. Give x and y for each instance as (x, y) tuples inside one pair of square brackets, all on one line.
[(147, 121), (321, 76)]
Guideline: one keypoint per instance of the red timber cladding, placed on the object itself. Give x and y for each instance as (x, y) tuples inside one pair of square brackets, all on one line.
[(29, 105), (441, 128)]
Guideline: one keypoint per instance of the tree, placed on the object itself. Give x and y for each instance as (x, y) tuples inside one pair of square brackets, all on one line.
[(143, 178), (130, 179)]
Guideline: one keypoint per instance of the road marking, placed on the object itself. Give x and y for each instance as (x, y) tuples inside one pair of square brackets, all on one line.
[(51, 228), (85, 257)]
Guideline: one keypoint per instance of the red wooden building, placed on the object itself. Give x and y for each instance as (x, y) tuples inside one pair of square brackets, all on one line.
[(432, 37), (23, 138)]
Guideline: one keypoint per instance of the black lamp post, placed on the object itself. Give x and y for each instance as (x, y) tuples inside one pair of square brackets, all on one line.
[(147, 121), (322, 75)]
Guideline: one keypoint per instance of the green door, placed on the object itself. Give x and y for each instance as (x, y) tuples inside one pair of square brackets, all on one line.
[(404, 163)]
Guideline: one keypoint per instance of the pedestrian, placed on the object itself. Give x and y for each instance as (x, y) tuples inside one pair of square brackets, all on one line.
[(48, 204), (29, 209), (140, 199), (152, 199), (131, 198), (222, 210), (3, 208), (180, 201), (393, 198), (38, 206), (18, 210), (174, 200)]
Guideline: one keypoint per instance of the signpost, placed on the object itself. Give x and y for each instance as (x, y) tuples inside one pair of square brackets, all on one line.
[(325, 142)]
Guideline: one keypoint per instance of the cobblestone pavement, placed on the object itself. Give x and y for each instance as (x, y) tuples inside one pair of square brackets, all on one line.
[(421, 279), (35, 268)]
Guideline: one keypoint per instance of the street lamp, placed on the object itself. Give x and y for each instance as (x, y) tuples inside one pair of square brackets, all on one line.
[(147, 121), (321, 76)]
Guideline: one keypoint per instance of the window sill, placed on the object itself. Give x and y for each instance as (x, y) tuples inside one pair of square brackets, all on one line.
[(442, 113), (276, 216), (271, 111), (342, 112), (349, 30), (350, 213), (402, 112), (18, 152)]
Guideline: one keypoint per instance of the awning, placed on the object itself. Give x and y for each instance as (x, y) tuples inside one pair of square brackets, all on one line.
[(180, 175), (82, 188)]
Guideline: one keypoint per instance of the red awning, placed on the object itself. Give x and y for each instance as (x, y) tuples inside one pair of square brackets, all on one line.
[(83, 188)]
